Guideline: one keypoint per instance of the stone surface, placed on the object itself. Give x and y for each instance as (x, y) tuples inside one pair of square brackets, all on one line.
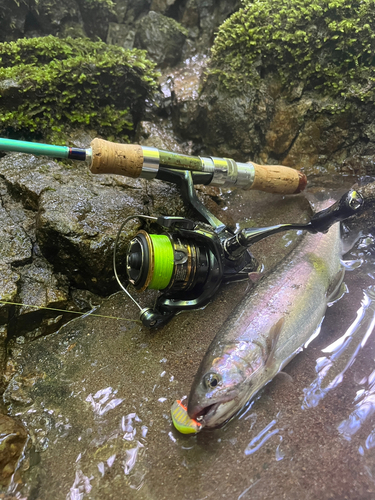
[(161, 37), (96, 395), (96, 398), (15, 245), (13, 443), (8, 290), (120, 34)]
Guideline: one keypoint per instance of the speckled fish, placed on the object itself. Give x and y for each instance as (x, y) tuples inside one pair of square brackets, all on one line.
[(268, 328)]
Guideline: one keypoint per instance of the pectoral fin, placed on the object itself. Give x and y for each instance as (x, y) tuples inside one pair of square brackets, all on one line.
[(271, 342), (334, 291)]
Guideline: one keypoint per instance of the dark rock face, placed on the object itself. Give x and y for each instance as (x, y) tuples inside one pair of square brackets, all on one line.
[(58, 225), (162, 37)]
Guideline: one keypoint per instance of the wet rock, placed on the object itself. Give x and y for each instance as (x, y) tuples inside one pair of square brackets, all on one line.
[(120, 34), (8, 289), (39, 287), (96, 18), (16, 246), (135, 9), (359, 165), (12, 20), (261, 104), (27, 176), (162, 37), (364, 222), (13, 443), (96, 395), (3, 355), (180, 88), (78, 215), (227, 125), (212, 13), (160, 135), (42, 20)]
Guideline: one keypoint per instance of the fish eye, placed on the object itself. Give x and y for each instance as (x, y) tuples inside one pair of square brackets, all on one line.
[(211, 380)]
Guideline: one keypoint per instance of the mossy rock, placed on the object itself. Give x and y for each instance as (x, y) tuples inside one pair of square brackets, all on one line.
[(327, 45), (162, 37), (48, 85)]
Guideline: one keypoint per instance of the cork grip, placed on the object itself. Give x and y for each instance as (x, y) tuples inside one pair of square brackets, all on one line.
[(278, 179), (111, 158)]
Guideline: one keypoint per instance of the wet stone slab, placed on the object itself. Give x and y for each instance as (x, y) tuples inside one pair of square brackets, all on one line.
[(96, 399), (96, 396), (16, 246)]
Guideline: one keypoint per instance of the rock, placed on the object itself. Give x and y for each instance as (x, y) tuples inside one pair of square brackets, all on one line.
[(180, 88), (8, 290), (260, 101), (13, 443), (226, 124), (15, 245), (121, 35), (38, 286), (162, 37), (12, 20), (161, 135), (42, 19), (96, 395), (96, 17), (135, 9), (78, 216), (105, 88)]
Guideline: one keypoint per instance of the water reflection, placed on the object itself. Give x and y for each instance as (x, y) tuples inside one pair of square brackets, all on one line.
[(80, 486), (342, 353), (364, 409), (263, 436), (97, 401)]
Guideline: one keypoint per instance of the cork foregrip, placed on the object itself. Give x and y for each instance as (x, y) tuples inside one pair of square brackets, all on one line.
[(278, 179), (111, 158)]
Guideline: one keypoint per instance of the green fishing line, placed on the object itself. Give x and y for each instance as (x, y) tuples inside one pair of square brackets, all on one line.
[(163, 261)]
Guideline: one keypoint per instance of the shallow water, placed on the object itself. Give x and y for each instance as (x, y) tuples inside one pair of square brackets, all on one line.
[(96, 398)]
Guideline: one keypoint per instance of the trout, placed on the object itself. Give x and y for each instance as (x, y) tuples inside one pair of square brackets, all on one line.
[(268, 328)]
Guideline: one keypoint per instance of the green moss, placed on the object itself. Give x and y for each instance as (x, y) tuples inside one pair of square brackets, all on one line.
[(100, 3), (48, 84), (327, 45), (171, 25)]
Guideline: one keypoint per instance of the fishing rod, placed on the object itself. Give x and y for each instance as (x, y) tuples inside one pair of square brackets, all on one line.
[(133, 160), (188, 260)]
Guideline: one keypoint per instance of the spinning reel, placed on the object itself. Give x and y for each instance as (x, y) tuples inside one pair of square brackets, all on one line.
[(187, 261)]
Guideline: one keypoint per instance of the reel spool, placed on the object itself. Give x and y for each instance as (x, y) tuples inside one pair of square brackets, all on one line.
[(166, 262)]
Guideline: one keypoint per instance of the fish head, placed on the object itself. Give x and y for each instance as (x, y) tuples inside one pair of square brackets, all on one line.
[(225, 382)]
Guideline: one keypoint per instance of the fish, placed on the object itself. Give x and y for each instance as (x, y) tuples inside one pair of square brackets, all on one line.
[(281, 313)]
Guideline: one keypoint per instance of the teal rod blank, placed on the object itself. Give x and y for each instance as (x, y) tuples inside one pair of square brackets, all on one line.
[(34, 148)]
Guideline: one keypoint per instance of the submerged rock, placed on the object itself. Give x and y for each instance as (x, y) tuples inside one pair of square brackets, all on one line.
[(13, 442), (96, 396)]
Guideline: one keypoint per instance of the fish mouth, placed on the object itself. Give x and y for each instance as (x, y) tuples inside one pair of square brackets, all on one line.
[(216, 414)]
